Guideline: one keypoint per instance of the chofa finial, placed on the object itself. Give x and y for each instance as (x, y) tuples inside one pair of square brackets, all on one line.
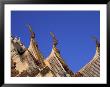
[(30, 29), (55, 41), (97, 42)]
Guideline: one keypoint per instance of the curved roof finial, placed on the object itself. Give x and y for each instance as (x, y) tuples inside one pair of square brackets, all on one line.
[(97, 42), (30, 29), (55, 41)]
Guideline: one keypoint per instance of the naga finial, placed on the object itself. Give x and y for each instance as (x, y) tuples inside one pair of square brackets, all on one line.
[(97, 42), (30, 29), (55, 41)]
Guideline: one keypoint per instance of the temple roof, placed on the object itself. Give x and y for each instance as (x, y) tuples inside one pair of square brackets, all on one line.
[(92, 68), (33, 48)]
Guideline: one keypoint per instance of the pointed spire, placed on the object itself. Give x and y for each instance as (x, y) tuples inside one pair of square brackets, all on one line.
[(55, 41), (97, 42), (30, 29)]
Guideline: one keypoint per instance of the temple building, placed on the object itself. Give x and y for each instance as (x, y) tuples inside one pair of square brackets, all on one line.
[(92, 69), (29, 62)]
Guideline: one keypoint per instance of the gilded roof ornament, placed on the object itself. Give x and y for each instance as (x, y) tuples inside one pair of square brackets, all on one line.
[(30, 29), (96, 40), (55, 41)]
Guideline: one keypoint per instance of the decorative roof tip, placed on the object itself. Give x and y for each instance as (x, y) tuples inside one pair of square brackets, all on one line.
[(55, 41), (30, 29), (96, 40)]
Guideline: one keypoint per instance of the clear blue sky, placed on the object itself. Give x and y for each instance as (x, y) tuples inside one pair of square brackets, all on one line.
[(73, 29)]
